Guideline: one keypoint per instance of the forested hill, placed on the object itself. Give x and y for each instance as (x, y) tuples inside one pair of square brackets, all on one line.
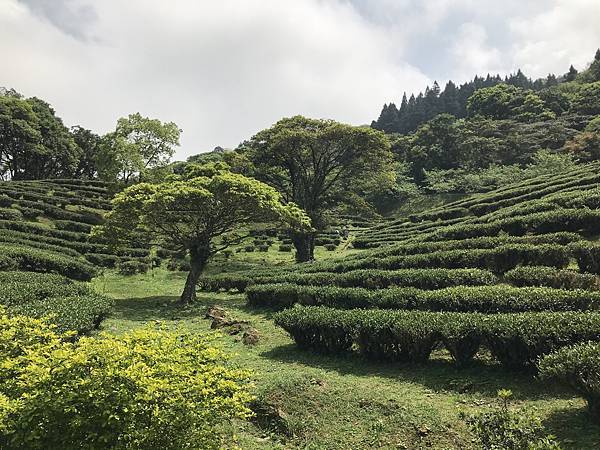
[(415, 110), (492, 131)]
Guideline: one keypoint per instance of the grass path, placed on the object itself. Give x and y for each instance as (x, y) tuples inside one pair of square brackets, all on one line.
[(320, 402)]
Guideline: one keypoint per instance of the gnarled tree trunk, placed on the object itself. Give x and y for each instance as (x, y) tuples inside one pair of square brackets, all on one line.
[(198, 258), (305, 246)]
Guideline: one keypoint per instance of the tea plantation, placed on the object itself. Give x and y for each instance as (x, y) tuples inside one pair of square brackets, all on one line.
[(504, 278), (46, 251)]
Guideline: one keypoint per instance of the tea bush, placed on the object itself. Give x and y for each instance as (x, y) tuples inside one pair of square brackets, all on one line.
[(34, 260), (516, 340), (587, 255), (579, 367), (552, 277), (487, 299)]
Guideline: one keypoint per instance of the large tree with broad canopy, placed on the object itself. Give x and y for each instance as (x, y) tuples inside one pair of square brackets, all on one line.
[(201, 215), (316, 164)]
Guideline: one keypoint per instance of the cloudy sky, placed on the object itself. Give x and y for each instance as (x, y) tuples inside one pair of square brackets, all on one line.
[(225, 69)]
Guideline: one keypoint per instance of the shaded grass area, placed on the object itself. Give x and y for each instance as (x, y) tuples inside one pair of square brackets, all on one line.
[(324, 402)]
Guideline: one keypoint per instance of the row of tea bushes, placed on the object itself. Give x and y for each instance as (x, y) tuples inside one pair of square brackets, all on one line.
[(551, 277), (367, 278), (499, 259), (70, 305), (34, 260), (485, 299), (576, 366), (516, 340)]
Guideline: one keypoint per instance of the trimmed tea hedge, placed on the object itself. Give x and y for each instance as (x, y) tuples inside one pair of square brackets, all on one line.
[(485, 299), (70, 305), (368, 278), (516, 340), (34, 260), (551, 277), (579, 367)]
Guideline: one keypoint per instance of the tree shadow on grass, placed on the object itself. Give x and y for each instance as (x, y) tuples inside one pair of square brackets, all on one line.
[(155, 308), (438, 374), (143, 309), (573, 428)]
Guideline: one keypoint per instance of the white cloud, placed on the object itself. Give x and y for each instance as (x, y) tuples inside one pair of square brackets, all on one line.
[(562, 34), (224, 70), (221, 71), (472, 53)]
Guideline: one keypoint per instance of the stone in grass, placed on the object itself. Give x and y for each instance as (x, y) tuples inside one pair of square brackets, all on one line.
[(251, 336)]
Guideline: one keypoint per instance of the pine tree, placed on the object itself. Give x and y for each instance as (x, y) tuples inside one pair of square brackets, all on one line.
[(571, 74), (551, 80)]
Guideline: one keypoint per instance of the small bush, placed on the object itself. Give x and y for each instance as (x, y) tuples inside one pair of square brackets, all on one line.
[(330, 247), (133, 267), (587, 255), (150, 388), (263, 248), (102, 260), (508, 429), (285, 248), (10, 214), (579, 367), (249, 248)]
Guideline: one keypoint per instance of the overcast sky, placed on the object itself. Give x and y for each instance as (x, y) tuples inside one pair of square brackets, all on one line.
[(225, 69)]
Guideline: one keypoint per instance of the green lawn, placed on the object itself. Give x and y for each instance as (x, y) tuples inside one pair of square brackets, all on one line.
[(312, 401)]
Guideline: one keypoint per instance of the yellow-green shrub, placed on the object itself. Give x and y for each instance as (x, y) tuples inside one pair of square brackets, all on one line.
[(150, 388)]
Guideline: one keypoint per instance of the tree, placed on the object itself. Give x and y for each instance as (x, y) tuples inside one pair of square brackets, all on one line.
[(197, 215), (138, 144), (34, 143), (571, 74), (505, 101), (316, 164), (585, 146), (60, 154), (19, 134), (587, 99), (89, 146)]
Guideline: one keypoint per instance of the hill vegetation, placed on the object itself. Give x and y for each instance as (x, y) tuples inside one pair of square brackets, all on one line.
[(382, 283)]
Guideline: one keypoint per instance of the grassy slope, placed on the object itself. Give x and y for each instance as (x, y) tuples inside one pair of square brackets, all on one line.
[(314, 401)]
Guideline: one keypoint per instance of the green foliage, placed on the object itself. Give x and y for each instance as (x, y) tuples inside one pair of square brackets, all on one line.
[(579, 367), (504, 101), (587, 255), (10, 214), (35, 260), (35, 143), (138, 145), (485, 299), (317, 164), (507, 429), (149, 388), (133, 267), (191, 214), (368, 278), (516, 340), (552, 277), (69, 305), (587, 99)]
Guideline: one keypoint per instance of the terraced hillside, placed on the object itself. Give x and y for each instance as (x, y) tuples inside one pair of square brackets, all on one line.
[(513, 272), (45, 227), (47, 253)]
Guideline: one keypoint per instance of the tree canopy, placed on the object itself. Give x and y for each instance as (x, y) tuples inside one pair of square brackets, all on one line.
[(316, 164), (137, 145), (200, 215), (34, 143)]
